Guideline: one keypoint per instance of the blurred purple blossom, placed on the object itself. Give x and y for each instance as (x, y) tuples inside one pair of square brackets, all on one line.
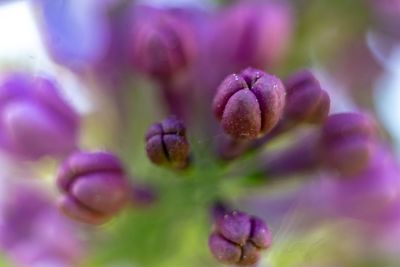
[(163, 43), (251, 34), (35, 120), (76, 32), (371, 195), (94, 186), (33, 232)]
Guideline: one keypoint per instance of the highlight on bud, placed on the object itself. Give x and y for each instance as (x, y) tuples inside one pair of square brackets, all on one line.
[(166, 143), (238, 238), (348, 142), (249, 104), (94, 186), (306, 102)]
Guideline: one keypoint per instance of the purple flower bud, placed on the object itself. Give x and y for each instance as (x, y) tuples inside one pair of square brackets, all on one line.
[(238, 238), (249, 104), (95, 186), (306, 102), (166, 143), (235, 226), (260, 234), (35, 120), (348, 142), (162, 44), (223, 250)]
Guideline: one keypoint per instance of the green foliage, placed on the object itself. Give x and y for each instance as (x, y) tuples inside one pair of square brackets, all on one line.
[(322, 29), (4, 262), (173, 232)]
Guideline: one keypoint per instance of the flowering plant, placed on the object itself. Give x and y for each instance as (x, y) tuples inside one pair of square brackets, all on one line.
[(210, 141)]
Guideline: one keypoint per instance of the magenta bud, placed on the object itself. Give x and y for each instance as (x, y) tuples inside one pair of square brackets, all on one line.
[(238, 238), (306, 102), (95, 186), (224, 250), (163, 44), (348, 142), (260, 235), (35, 120), (249, 104), (235, 226), (166, 143)]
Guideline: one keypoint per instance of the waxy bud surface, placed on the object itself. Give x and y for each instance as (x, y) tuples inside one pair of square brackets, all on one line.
[(239, 238), (249, 104), (166, 143)]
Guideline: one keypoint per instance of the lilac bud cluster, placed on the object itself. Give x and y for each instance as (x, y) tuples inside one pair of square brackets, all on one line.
[(252, 107), (300, 101), (238, 238), (211, 69), (166, 143)]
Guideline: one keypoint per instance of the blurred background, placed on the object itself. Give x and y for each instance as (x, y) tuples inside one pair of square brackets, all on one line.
[(322, 29), (353, 47)]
